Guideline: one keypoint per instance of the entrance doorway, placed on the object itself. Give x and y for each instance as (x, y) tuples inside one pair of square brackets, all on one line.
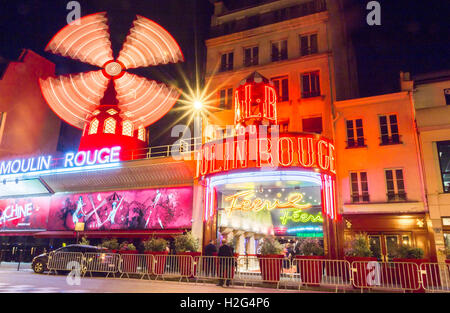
[(383, 245)]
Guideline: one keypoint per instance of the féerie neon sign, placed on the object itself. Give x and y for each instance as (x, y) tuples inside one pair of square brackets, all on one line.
[(298, 216), (243, 201), (70, 160)]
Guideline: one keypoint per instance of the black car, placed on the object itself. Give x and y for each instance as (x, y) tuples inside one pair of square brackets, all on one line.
[(39, 263)]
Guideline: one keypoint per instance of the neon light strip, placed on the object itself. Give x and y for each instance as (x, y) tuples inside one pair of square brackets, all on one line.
[(37, 174)]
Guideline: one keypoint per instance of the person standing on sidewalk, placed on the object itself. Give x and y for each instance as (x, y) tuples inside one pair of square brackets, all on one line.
[(226, 265), (209, 264)]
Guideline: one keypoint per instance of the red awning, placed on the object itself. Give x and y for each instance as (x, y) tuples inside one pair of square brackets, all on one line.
[(18, 233), (110, 234)]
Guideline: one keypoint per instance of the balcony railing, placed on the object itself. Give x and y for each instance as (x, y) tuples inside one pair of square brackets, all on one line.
[(357, 198), (268, 18), (311, 94), (390, 140), (358, 143), (400, 196)]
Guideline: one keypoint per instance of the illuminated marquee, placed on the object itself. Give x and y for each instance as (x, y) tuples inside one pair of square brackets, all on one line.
[(285, 150), (71, 160)]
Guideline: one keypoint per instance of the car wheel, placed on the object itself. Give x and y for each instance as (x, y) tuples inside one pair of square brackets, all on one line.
[(38, 267)]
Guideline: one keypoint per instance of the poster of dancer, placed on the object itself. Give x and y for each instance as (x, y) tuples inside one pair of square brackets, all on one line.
[(163, 208)]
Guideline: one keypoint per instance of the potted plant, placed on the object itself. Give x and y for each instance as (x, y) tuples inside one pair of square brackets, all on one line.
[(310, 250), (407, 273), (112, 245), (84, 241), (187, 245), (158, 247), (359, 252), (129, 262), (271, 259), (446, 252), (127, 248)]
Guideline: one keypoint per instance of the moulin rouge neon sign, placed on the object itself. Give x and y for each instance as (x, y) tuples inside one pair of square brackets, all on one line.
[(244, 201), (70, 160)]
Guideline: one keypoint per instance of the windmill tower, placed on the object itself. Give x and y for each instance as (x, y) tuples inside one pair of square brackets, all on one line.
[(111, 105)]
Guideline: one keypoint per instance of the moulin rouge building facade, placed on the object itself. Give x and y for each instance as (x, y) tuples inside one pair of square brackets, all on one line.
[(283, 154)]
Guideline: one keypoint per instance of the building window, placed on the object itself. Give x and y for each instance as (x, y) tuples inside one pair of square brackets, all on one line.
[(312, 125), (395, 185), (141, 133), (93, 127), (389, 129), (251, 56), (280, 15), (281, 85), (310, 85), (355, 133), (279, 50), (127, 128), (110, 126), (444, 162), (226, 98), (226, 62), (359, 187), (447, 96), (284, 127), (308, 44)]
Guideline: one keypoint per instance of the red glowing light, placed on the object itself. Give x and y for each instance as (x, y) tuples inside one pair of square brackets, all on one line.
[(140, 101)]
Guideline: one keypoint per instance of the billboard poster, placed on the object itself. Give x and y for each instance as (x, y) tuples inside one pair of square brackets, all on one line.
[(163, 208), (24, 214)]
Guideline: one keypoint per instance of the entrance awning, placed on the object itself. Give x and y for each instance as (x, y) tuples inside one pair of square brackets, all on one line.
[(111, 234)]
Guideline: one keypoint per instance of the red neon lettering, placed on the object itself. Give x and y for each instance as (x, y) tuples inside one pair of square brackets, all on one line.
[(306, 155), (265, 154), (285, 151), (324, 160)]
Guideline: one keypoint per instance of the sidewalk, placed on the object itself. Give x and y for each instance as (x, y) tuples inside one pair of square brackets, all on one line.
[(12, 266)]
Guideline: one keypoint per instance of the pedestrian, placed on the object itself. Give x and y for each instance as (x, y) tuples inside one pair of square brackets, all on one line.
[(226, 264), (210, 250)]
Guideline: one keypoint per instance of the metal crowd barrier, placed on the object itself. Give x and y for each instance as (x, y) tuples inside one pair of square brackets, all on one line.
[(136, 264), (99, 262), (321, 272), (435, 277), (213, 267), (263, 270), (402, 276), (64, 261), (364, 275)]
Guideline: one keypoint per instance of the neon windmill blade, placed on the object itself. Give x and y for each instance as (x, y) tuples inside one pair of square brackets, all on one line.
[(112, 106)]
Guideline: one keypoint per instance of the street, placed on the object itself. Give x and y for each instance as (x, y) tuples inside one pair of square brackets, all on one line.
[(26, 281)]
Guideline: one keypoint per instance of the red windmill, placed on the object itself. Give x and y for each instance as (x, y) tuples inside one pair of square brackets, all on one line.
[(110, 105)]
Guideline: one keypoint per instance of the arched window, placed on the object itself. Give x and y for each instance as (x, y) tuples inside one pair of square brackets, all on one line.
[(110, 126), (127, 128), (93, 127), (141, 133)]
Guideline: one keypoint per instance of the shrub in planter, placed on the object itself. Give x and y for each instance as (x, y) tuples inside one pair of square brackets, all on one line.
[(84, 241), (271, 259), (407, 273), (158, 248), (187, 245), (129, 263), (359, 252), (446, 252), (310, 270), (111, 244)]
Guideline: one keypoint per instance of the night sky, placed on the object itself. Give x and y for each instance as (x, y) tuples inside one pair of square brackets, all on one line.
[(414, 36)]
